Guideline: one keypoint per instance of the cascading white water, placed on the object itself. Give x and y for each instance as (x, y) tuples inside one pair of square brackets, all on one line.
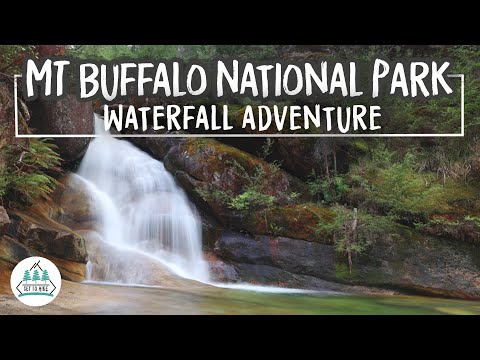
[(140, 210)]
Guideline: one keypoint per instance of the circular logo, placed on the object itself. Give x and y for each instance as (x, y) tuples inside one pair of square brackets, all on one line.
[(35, 281)]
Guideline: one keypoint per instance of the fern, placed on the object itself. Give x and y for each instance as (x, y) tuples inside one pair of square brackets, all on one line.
[(26, 174), (42, 155)]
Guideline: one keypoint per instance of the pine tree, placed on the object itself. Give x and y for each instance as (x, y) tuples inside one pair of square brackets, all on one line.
[(36, 276), (26, 276), (45, 276)]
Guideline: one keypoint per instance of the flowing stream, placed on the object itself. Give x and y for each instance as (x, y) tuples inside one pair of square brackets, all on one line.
[(145, 220)]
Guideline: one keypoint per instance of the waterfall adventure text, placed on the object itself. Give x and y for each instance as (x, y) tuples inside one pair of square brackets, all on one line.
[(261, 118)]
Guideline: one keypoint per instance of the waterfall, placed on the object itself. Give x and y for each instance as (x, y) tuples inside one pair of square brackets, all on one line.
[(141, 212)]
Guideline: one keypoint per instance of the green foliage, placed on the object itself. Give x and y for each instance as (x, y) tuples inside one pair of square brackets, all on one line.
[(330, 191), (388, 183), (473, 219), (4, 181), (110, 52), (293, 197), (354, 232), (104, 52), (251, 200), (267, 149), (25, 174), (275, 230), (254, 193), (400, 189), (246, 51), (11, 57), (465, 229), (219, 196), (450, 223)]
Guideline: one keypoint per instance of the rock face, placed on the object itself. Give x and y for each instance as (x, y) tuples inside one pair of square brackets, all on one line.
[(108, 263), (65, 116), (292, 255), (73, 204), (32, 233), (48, 238), (284, 247), (13, 251), (219, 270), (197, 163), (4, 221), (297, 221), (409, 262)]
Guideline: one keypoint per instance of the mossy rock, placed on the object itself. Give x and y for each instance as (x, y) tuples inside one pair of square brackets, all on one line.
[(293, 221), (212, 164)]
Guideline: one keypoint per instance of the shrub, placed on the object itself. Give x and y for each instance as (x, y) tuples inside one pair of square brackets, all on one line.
[(254, 194), (392, 186), (251, 200), (353, 232), (329, 191)]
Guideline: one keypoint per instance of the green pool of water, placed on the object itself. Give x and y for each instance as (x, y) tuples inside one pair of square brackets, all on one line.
[(211, 300)]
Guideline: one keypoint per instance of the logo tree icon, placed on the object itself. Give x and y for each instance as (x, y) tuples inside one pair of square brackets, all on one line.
[(45, 276), (36, 276), (26, 276)]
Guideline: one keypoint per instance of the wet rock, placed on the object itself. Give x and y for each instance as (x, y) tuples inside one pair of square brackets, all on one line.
[(211, 231), (114, 264), (406, 261), (219, 270), (74, 206)]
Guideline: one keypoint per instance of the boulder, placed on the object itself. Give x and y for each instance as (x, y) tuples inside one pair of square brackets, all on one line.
[(210, 161), (293, 255), (219, 270), (13, 251), (64, 116), (123, 265), (211, 231), (159, 146), (205, 163), (4, 221), (73, 205), (47, 237), (407, 261), (201, 162)]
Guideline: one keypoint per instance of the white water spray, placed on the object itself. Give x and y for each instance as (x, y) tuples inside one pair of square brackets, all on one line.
[(140, 211)]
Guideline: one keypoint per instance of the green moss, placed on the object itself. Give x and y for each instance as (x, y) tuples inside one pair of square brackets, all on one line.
[(342, 272), (294, 221), (397, 187)]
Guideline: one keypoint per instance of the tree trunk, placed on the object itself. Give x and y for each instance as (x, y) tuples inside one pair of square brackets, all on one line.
[(335, 160), (325, 159), (354, 236)]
